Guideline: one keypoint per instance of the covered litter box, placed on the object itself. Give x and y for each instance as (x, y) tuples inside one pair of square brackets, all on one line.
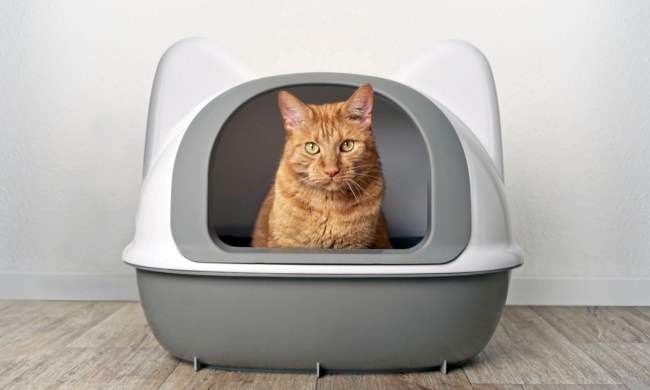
[(214, 139)]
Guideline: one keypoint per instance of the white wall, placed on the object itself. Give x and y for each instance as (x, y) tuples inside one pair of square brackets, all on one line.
[(573, 81)]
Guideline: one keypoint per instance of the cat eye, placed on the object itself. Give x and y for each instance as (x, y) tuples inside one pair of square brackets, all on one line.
[(347, 145), (312, 148)]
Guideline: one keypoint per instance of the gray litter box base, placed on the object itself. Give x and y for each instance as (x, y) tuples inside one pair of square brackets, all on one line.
[(340, 323), (320, 371)]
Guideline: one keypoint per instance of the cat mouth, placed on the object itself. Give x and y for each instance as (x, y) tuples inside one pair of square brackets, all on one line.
[(333, 185)]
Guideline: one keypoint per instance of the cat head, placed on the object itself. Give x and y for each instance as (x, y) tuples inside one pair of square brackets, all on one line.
[(330, 146)]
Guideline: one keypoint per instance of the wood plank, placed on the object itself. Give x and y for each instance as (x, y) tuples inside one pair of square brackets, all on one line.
[(454, 379), (598, 324), (10, 370), (527, 350), (497, 363), (85, 368), (46, 328), (126, 327), (5, 303), (147, 368), (575, 387), (549, 387), (56, 365), (52, 371), (629, 363), (184, 377), (23, 308), (9, 324), (645, 310)]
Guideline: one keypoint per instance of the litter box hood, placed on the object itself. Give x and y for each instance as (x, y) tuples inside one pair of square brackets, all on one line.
[(229, 154), (215, 136)]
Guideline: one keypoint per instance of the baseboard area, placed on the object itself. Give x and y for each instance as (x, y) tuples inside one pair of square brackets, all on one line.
[(579, 291), (73, 287), (523, 291)]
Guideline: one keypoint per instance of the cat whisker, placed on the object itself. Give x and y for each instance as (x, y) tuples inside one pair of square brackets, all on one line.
[(365, 180), (384, 170), (375, 164), (359, 193), (302, 188), (292, 183), (353, 193), (370, 176), (358, 186), (383, 173), (367, 165)]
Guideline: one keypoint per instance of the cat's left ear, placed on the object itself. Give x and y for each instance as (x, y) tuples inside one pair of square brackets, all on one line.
[(359, 106)]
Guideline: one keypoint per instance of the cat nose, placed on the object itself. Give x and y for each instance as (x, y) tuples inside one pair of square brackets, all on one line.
[(331, 172)]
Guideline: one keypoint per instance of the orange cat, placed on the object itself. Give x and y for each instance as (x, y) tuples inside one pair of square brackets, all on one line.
[(329, 186)]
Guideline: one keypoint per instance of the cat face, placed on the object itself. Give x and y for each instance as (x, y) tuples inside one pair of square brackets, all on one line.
[(330, 146)]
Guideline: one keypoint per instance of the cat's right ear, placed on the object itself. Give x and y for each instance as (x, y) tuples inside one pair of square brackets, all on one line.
[(294, 112)]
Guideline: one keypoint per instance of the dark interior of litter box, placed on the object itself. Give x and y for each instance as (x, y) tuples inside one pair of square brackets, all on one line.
[(246, 153)]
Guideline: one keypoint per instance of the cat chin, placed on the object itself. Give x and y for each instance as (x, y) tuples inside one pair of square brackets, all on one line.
[(333, 186)]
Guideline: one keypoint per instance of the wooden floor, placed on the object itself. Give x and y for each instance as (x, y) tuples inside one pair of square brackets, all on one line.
[(108, 345)]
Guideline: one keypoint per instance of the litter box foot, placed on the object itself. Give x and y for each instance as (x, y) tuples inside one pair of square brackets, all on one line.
[(443, 367), (197, 364)]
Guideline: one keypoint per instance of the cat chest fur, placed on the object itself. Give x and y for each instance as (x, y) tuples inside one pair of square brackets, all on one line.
[(294, 224)]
